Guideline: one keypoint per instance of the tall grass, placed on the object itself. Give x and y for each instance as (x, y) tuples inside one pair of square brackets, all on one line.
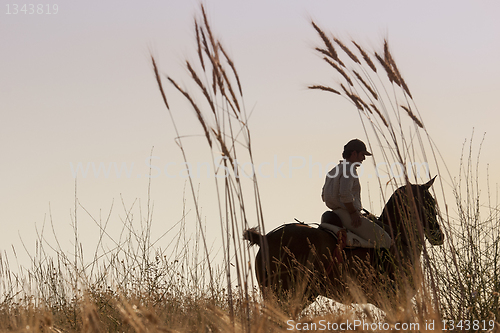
[(461, 277), (469, 269), (222, 115), (135, 282), (395, 132)]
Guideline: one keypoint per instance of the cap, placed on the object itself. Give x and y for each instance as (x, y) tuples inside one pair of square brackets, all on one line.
[(357, 145)]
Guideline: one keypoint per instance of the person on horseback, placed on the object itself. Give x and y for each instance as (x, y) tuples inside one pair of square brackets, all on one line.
[(342, 194)]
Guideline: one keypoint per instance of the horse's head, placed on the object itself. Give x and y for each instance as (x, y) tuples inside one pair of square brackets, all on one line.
[(428, 213), (414, 204)]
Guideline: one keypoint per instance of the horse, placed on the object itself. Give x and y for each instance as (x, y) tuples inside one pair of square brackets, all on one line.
[(295, 260)]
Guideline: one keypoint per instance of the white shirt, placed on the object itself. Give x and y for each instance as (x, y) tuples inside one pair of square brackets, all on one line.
[(342, 186)]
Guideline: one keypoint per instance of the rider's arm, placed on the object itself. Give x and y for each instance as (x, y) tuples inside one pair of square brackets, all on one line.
[(350, 208)]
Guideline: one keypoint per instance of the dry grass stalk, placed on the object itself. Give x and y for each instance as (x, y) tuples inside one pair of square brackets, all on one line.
[(207, 52), (231, 64), (224, 149), (325, 88), (388, 69), (360, 100), (367, 86), (403, 83), (131, 317), (201, 85), (210, 35), (340, 70), (198, 44), (331, 50), (390, 61), (217, 80), (205, 43), (355, 99), (230, 88), (346, 50), (326, 53), (217, 75), (158, 79), (366, 57), (196, 109), (214, 81), (379, 114), (345, 90), (91, 321), (223, 134), (387, 55), (412, 116)]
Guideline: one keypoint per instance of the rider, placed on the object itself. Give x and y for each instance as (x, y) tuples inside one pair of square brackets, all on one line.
[(342, 194)]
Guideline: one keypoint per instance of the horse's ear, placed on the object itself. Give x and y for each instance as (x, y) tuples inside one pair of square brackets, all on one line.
[(429, 183)]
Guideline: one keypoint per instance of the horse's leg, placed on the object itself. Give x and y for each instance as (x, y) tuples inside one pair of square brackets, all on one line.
[(273, 279), (290, 289), (298, 267)]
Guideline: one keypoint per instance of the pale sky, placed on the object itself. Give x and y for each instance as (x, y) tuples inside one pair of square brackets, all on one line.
[(78, 86)]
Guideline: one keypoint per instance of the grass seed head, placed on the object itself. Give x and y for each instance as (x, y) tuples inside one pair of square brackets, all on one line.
[(325, 88), (340, 70), (367, 86), (346, 50), (366, 57), (331, 50), (413, 116)]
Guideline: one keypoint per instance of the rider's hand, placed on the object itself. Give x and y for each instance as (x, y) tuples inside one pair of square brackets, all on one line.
[(356, 219)]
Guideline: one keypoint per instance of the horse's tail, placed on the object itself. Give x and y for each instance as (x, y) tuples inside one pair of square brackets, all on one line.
[(253, 236)]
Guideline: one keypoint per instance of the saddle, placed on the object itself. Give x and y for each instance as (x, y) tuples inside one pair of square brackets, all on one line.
[(331, 223)]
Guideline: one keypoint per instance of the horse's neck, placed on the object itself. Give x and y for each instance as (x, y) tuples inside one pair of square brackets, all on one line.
[(391, 215), (394, 220)]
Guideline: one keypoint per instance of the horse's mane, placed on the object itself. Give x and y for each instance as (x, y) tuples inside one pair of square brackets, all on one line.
[(408, 205)]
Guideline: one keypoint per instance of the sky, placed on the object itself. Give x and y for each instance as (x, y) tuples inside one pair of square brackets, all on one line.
[(77, 86)]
